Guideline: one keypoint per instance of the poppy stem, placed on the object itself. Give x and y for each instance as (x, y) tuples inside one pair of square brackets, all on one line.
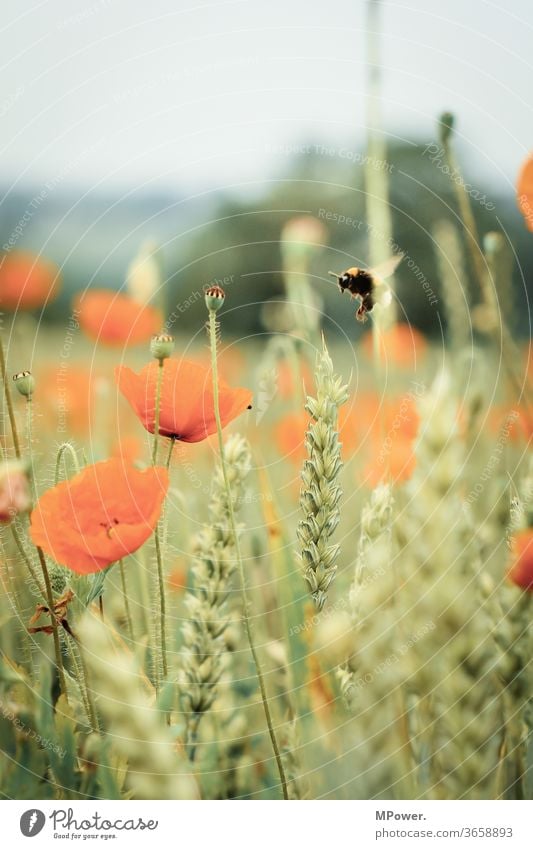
[(55, 627), (235, 535), (170, 450), (126, 599), (27, 560), (62, 450), (157, 411), (29, 422), (162, 605), (157, 538), (9, 402)]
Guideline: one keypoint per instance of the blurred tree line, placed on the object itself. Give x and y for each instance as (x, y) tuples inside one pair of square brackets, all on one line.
[(235, 238), (241, 241)]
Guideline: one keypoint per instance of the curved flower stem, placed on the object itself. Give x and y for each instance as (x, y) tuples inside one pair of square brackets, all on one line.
[(63, 448), (55, 627), (245, 603), (27, 560), (44, 567), (170, 450), (9, 402), (157, 537), (126, 599)]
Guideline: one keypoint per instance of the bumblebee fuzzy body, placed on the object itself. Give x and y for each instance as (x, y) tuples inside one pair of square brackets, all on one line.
[(367, 284), (360, 284)]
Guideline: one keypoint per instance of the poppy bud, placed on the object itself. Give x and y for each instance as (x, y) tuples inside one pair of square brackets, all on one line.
[(446, 123), (214, 298), (14, 490), (25, 383), (161, 346)]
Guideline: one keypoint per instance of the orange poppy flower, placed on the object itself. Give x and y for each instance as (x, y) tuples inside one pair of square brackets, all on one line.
[(177, 578), (290, 435), (102, 514), (524, 192), (290, 382), (512, 423), (27, 281), (520, 570), (393, 459), (401, 344), (187, 410), (116, 319)]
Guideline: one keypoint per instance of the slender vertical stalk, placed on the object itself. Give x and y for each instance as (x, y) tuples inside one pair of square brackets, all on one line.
[(157, 410), (233, 527), (170, 450), (44, 567), (29, 438), (157, 539), (27, 560), (126, 599), (53, 619), (485, 272), (81, 674), (378, 216), (9, 402)]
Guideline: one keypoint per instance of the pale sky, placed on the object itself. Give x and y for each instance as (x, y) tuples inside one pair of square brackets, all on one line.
[(180, 94)]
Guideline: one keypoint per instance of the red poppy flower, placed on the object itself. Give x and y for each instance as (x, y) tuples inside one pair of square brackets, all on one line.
[(392, 459), (511, 423), (27, 281), (524, 192), (116, 319), (521, 566), (99, 516), (402, 344), (186, 409)]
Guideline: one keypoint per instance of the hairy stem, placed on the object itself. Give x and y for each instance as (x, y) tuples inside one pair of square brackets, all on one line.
[(53, 620), (9, 402), (63, 449), (126, 599)]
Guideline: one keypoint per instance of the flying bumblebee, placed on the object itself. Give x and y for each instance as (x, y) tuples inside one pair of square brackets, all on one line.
[(368, 284)]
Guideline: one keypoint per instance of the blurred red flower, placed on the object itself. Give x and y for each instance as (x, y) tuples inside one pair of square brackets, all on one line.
[(402, 345), (524, 191), (114, 319), (102, 514), (520, 570), (27, 281)]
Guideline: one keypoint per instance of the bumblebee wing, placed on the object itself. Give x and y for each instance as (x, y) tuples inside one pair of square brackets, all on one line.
[(386, 269)]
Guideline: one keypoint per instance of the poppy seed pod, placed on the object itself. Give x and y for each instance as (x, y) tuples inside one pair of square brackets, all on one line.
[(161, 346), (214, 298), (25, 383), (446, 123)]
